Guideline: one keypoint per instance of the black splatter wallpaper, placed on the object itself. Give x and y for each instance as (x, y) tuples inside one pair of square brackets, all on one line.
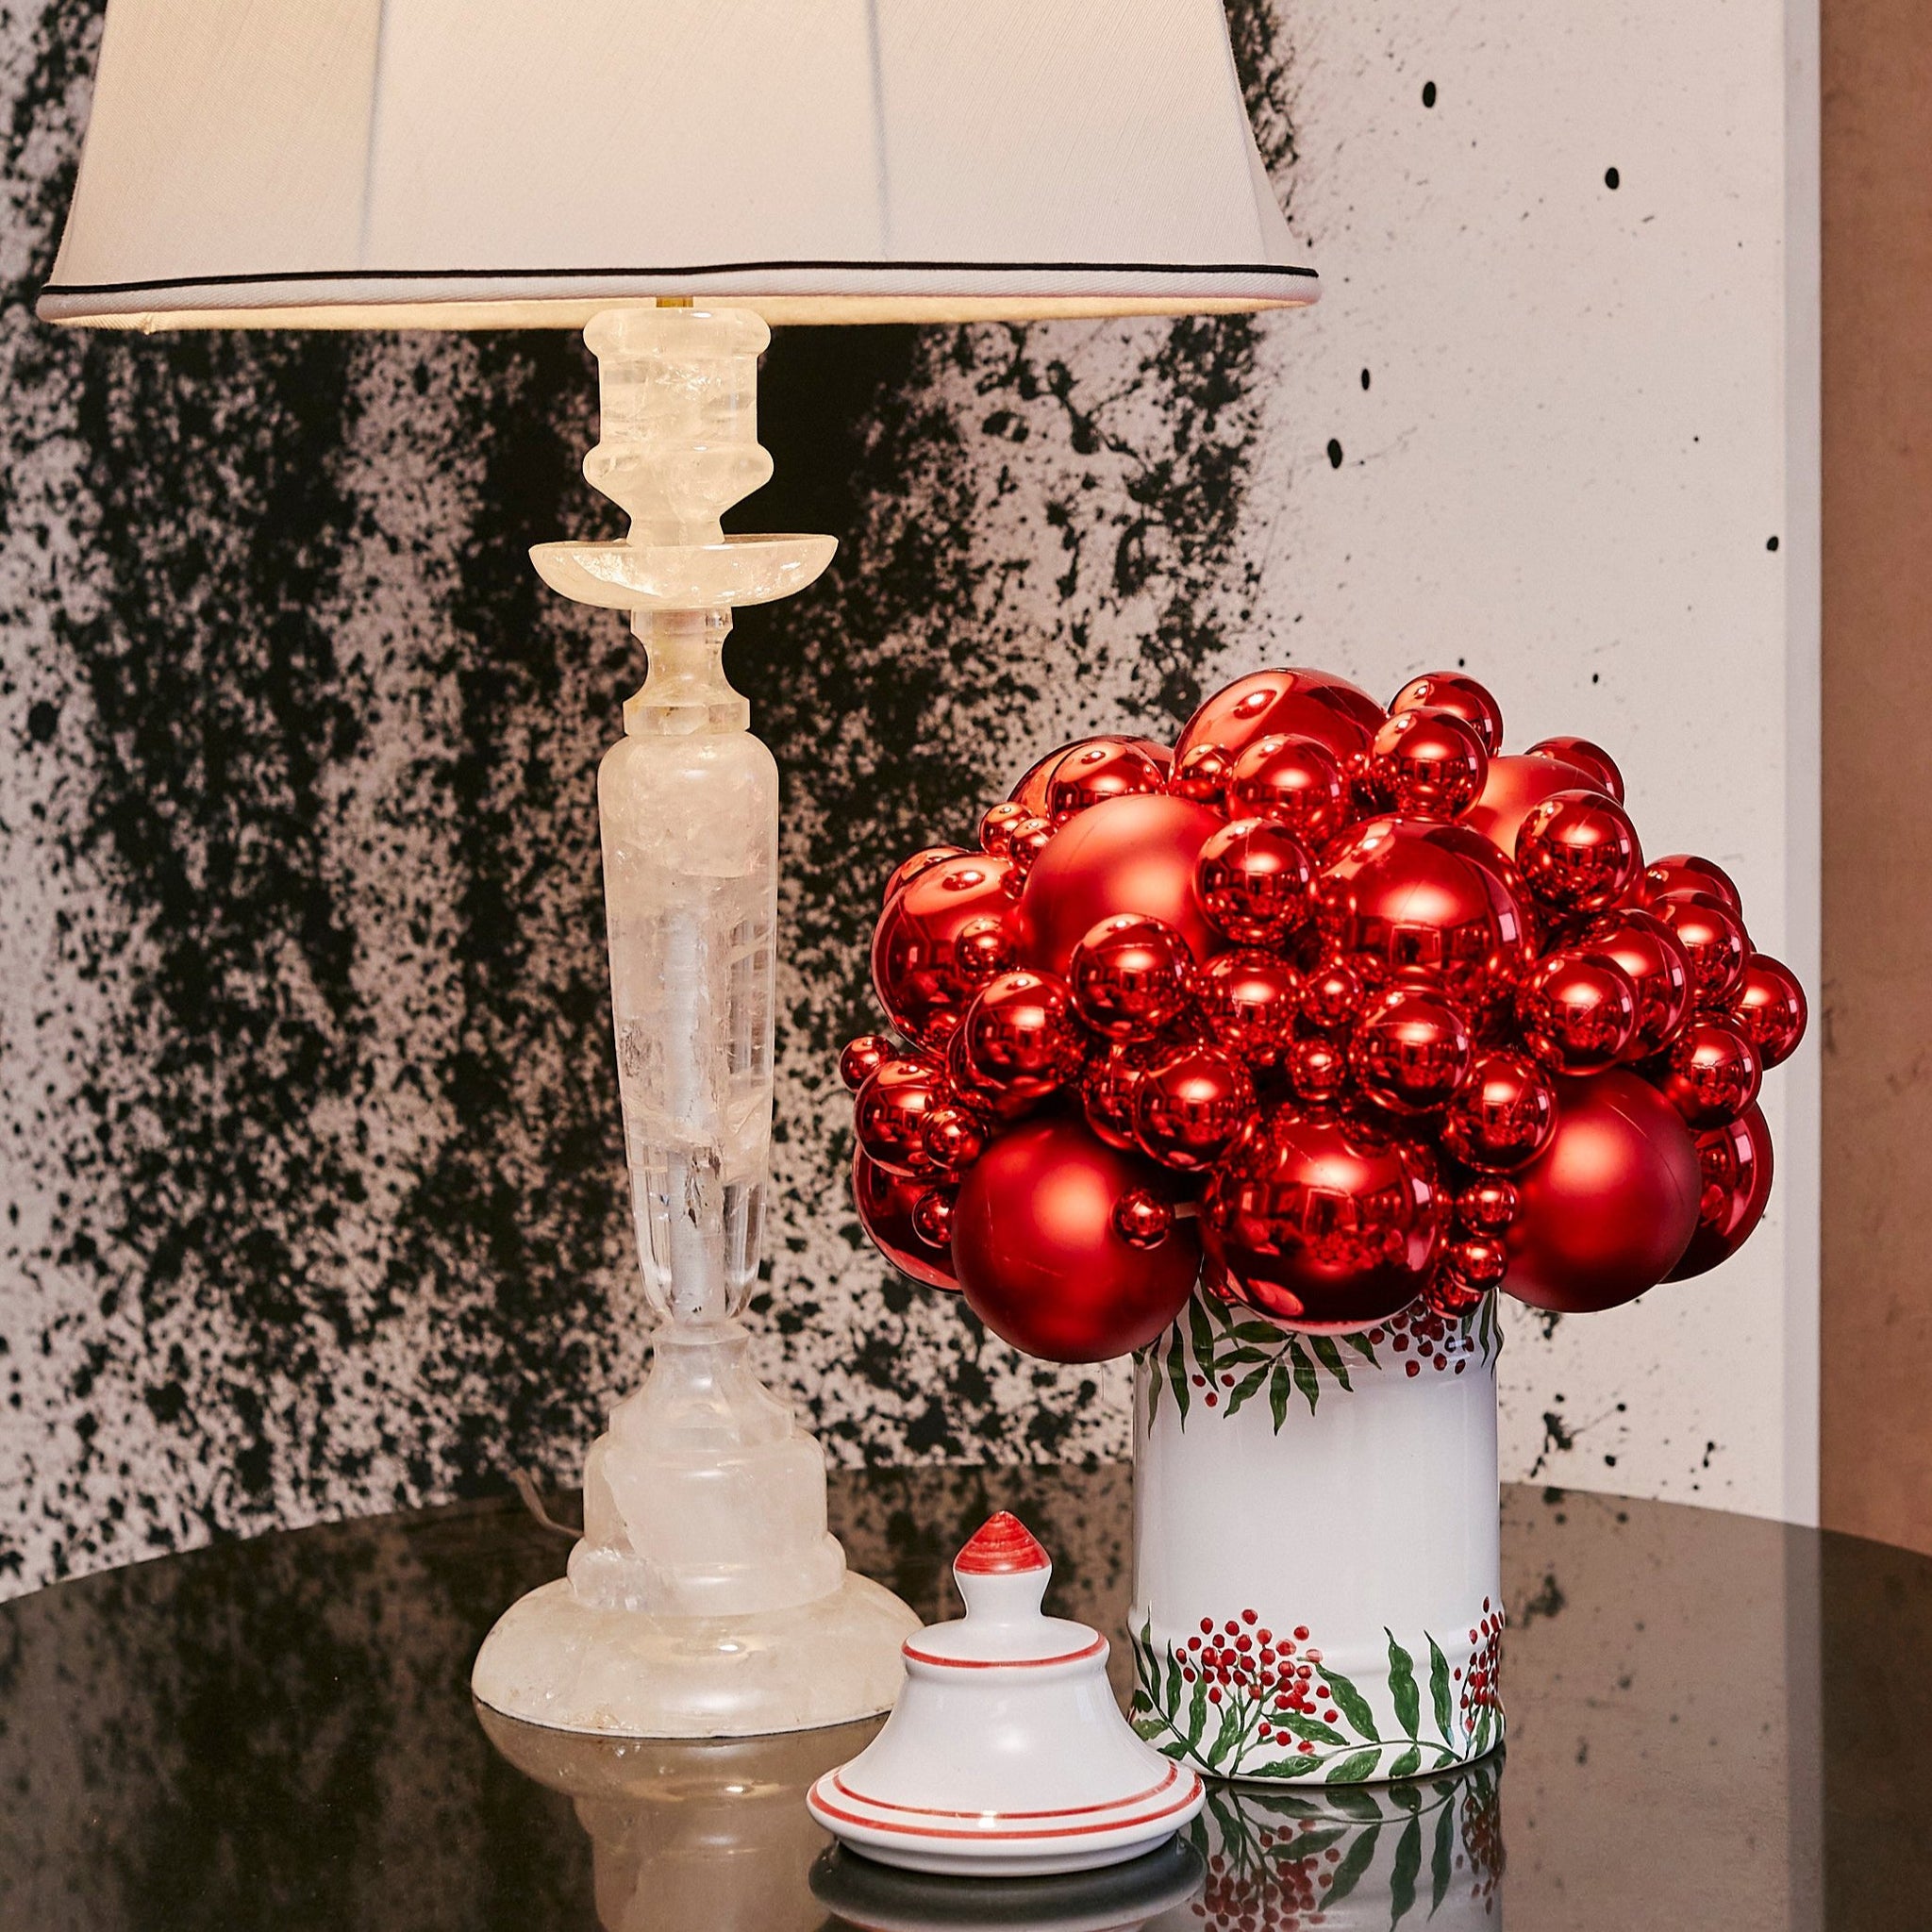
[(310, 1146)]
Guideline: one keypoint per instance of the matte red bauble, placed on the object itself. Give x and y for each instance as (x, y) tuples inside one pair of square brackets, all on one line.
[(1249, 1000), (1021, 1035), (1769, 1008), (861, 1058), (1266, 703), (1578, 851), (1463, 697), (1427, 764), (1659, 967), (1411, 1051), (886, 1202), (923, 860), (939, 939), (1611, 1205), (1592, 760), (1392, 900), (1715, 942), (890, 1114), (1296, 781), (1102, 769), (1106, 1088), (1129, 976), (1735, 1163), (1712, 1075), (1128, 855), (1684, 872), (1577, 1012), (1322, 1222), (1503, 1116), (1513, 785), (1202, 775), (1040, 1258), (1252, 878), (1190, 1104)]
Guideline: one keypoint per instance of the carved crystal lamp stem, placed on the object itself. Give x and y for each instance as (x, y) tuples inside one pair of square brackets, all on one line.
[(706, 1597)]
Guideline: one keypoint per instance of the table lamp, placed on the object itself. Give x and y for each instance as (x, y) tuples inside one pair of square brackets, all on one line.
[(672, 177)]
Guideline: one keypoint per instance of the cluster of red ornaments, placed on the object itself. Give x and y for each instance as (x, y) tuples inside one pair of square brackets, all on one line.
[(1344, 1005)]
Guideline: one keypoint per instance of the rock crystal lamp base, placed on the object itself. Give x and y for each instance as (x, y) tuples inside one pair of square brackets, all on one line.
[(706, 1598)]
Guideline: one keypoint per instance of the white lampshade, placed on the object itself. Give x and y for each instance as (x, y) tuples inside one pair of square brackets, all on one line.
[(479, 163)]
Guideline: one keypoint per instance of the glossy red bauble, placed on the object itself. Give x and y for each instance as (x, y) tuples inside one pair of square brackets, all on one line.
[(1039, 1256), (1322, 1223), (1318, 1072), (1504, 1114), (1513, 785), (1252, 878), (1608, 1209), (1202, 775), (886, 1204), (1684, 872), (1577, 1012), (861, 1058), (1448, 1295), (966, 1088), (932, 1217), (1332, 994), (1143, 1218), (941, 937), (1026, 838), (1104, 768), (1249, 1000), (1019, 1034), (1265, 704), (1106, 1088), (955, 1139), (1128, 855), (1592, 760), (1488, 1205), (1031, 791), (1578, 851), (1735, 1163), (1659, 967), (1712, 1075), (923, 860), (1129, 976), (1769, 1008), (1190, 1104), (1463, 697), (996, 824), (1411, 1051), (1296, 781), (1427, 764), (1476, 1260), (889, 1112), (1715, 942)]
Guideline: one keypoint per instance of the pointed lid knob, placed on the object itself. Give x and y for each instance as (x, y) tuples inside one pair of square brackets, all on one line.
[(1000, 1545)]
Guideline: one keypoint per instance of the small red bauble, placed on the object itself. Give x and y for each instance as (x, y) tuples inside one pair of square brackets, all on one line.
[(1769, 1008), (1332, 995), (1026, 838), (1040, 1257), (1659, 967), (1515, 784), (1322, 1223), (1609, 1207), (967, 1088), (1021, 1034), (996, 824), (1715, 942), (953, 1139), (1190, 1104), (1684, 872), (1427, 764), (1031, 791), (1266, 703), (1129, 976), (1577, 1012), (1107, 1088), (1088, 774), (923, 860), (1578, 851), (1126, 855), (932, 1217), (942, 937), (1249, 1000), (1503, 1115), (886, 1204), (1489, 1204), (1476, 1260), (1296, 781), (1202, 775), (1252, 878), (1317, 1072), (861, 1058), (1411, 1051), (1712, 1075), (1463, 697), (1143, 1218), (1448, 1295), (1735, 1164), (890, 1114), (1592, 760)]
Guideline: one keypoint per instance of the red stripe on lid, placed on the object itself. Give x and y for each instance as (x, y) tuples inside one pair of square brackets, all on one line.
[(1001, 1546)]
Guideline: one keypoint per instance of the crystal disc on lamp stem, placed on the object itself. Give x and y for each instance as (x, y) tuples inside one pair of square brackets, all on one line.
[(706, 1597)]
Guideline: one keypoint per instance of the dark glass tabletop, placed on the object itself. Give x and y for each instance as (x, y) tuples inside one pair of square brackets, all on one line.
[(1714, 1723)]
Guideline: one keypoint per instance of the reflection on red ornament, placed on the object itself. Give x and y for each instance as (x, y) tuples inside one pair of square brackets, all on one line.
[(886, 1202), (1411, 1051), (1295, 781), (1734, 1165), (890, 1114), (1252, 879), (1427, 764), (1578, 851), (1265, 704), (1190, 1104), (942, 937), (1503, 1115), (1712, 1075), (1090, 774), (1592, 760), (1450, 690), (1577, 1012), (1769, 1008), (1659, 967), (1715, 942), (1249, 1000)]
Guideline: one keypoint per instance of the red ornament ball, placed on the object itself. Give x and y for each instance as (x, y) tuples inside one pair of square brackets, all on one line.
[(1769, 1008), (1411, 1051), (1032, 790), (1202, 775), (1252, 878), (1504, 1114), (1318, 1072), (1513, 785), (1296, 781), (1324, 1223), (861, 1058), (932, 1217), (1611, 1205), (1021, 1034), (1107, 1088), (1040, 1257), (1735, 1163), (1592, 760), (1427, 764), (1265, 704), (1476, 1260), (1715, 942), (1712, 1075), (1332, 994), (1125, 854), (1578, 851), (996, 824), (1190, 1104), (1577, 1012), (1129, 976), (1248, 1000), (1448, 1295), (1026, 839), (941, 937), (953, 1139), (1659, 967), (890, 1114), (1104, 768), (1462, 697), (1143, 1218), (1489, 1203), (923, 860), (967, 1088), (1684, 872), (886, 1204)]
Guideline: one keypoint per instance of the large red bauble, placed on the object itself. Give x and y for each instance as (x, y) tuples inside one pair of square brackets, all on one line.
[(886, 1204), (1411, 1051), (1190, 1104), (1427, 764), (1021, 1034), (1715, 942), (1578, 851), (923, 860), (1684, 872), (1324, 1223), (1249, 1000), (1252, 879), (1463, 697), (1264, 704), (1088, 774), (1393, 900), (1577, 1012), (1128, 855), (1712, 1075), (1769, 1008), (1513, 785), (1608, 1209), (1129, 976), (1503, 1115), (1041, 1255), (1296, 781), (890, 1114), (1659, 967), (1592, 760), (939, 939), (1735, 1165)]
